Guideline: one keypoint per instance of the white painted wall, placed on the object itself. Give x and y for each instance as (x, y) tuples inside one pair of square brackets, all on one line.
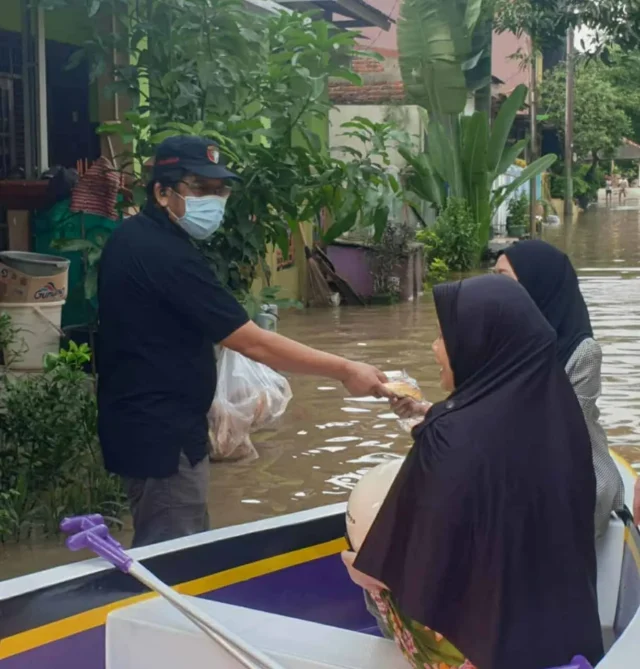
[(406, 117)]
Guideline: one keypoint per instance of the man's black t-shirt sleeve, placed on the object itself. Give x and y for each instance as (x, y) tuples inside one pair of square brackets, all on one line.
[(195, 292)]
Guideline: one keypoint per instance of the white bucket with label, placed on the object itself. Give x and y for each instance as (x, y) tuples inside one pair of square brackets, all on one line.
[(39, 333)]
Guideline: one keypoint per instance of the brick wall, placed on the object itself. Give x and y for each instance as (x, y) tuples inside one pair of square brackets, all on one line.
[(364, 65), (381, 83)]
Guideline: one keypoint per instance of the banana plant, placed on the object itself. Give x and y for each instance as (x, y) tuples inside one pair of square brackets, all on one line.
[(442, 59), (464, 157)]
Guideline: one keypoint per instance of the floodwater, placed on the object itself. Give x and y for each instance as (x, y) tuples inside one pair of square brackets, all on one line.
[(327, 440)]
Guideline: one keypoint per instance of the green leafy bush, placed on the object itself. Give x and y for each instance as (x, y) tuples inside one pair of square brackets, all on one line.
[(438, 272), (50, 460), (256, 83), (454, 238), (586, 183)]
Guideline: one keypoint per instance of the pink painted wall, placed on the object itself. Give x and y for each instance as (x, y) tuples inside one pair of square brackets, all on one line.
[(504, 45), (510, 70), (385, 42)]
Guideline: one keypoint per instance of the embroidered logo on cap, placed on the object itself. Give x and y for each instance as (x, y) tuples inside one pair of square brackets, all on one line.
[(213, 154)]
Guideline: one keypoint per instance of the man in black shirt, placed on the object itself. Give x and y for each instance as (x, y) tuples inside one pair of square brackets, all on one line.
[(161, 309)]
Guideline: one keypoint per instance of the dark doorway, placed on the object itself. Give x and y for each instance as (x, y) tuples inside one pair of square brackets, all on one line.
[(72, 136)]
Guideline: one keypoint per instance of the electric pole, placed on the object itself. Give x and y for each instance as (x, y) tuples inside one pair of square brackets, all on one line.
[(533, 113), (568, 127)]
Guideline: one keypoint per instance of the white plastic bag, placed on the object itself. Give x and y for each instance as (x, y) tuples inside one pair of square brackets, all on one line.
[(407, 424), (249, 397)]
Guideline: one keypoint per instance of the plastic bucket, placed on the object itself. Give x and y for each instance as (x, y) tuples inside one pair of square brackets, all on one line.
[(34, 264), (39, 333)]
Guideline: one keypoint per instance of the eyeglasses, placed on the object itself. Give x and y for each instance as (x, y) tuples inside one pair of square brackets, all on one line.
[(200, 189)]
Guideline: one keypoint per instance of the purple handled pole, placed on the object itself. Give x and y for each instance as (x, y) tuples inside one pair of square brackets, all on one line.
[(92, 533), (578, 662)]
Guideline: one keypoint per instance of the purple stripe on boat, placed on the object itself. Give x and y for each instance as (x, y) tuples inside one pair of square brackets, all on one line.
[(319, 591)]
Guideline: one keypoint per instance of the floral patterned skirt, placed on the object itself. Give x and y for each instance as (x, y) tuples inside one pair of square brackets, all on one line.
[(423, 648)]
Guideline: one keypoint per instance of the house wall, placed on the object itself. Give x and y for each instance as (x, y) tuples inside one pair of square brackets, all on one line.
[(384, 42), (510, 70), (406, 116), (508, 64), (381, 83)]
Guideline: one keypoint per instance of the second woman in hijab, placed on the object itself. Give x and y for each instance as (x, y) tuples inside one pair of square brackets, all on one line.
[(549, 277), (482, 554)]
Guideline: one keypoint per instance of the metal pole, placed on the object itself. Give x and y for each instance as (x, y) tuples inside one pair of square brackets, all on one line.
[(533, 113), (27, 89), (41, 69), (568, 128)]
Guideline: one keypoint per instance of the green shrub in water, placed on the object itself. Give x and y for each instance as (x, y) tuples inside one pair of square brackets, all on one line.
[(454, 238), (50, 460), (438, 272)]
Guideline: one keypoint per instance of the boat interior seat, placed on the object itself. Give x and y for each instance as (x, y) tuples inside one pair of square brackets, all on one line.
[(609, 551), (153, 635), (619, 585)]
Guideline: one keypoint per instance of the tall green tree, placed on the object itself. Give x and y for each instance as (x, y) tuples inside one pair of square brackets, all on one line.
[(601, 121), (258, 85), (623, 72), (547, 21)]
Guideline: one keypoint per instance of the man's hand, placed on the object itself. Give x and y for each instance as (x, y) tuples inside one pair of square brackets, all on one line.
[(364, 581), (362, 380), (409, 408), (636, 502)]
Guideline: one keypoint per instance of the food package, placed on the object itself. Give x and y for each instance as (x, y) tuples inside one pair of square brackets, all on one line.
[(402, 385), (249, 397)]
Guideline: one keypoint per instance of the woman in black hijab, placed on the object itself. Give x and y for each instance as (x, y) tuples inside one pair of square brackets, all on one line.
[(486, 536), (549, 277)]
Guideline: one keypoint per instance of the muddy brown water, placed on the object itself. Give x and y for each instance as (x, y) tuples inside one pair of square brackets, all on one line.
[(327, 440)]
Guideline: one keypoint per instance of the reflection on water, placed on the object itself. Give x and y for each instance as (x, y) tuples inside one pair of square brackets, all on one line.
[(327, 441), (605, 247)]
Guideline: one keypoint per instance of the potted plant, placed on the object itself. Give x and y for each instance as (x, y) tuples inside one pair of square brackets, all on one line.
[(518, 216)]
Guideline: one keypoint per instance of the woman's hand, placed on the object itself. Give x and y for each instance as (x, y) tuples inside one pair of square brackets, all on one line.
[(364, 581), (409, 408)]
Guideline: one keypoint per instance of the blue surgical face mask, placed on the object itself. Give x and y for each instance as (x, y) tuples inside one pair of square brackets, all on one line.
[(202, 215)]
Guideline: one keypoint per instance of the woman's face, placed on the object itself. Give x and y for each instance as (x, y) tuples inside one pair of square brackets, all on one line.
[(503, 266), (440, 352)]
